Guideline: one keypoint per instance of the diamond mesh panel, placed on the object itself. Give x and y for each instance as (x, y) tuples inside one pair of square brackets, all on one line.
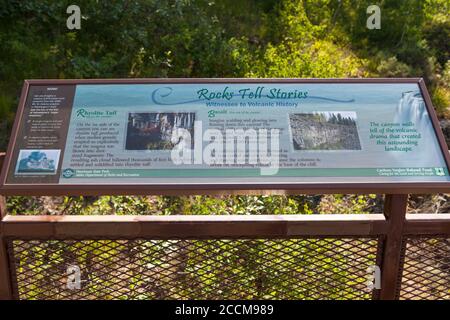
[(426, 271), (194, 269)]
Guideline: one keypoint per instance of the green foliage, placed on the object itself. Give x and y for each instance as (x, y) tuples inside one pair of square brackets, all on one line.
[(441, 93), (303, 50), (19, 205), (441, 100), (346, 204), (195, 269), (320, 60), (391, 68)]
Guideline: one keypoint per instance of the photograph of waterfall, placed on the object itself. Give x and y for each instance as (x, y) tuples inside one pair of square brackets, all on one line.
[(324, 131), (153, 130)]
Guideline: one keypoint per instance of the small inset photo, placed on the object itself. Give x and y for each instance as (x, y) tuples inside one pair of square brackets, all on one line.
[(335, 130), (37, 161), (153, 130)]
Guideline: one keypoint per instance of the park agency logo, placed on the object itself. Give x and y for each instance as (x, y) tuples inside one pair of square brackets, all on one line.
[(68, 173), (232, 148)]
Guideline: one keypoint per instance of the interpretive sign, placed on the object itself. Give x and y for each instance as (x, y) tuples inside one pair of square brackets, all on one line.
[(212, 133)]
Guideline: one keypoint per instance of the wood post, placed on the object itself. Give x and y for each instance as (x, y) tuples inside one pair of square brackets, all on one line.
[(2, 198), (5, 275), (395, 213)]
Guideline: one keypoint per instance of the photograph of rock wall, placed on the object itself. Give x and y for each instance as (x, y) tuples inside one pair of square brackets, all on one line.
[(324, 131), (153, 131)]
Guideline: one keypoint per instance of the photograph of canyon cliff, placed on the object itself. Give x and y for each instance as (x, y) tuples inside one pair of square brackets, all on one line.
[(153, 130), (324, 131)]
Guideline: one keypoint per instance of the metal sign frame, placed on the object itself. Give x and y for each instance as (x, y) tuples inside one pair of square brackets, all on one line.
[(218, 188)]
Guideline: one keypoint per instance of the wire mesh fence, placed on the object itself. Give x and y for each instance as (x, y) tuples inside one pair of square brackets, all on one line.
[(301, 268), (426, 269)]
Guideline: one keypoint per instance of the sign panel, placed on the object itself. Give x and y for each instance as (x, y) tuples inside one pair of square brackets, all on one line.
[(158, 132)]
